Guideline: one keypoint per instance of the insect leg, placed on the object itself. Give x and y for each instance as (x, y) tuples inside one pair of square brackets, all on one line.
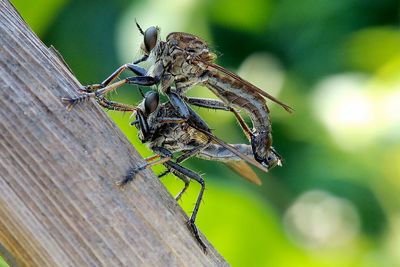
[(188, 154), (133, 172), (183, 178), (163, 173), (111, 105), (219, 105), (140, 80), (170, 120), (185, 111), (207, 103), (179, 105), (182, 158), (197, 121), (71, 102), (165, 152), (151, 158), (192, 152), (132, 67), (192, 175)]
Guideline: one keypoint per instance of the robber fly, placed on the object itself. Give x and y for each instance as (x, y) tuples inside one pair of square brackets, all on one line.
[(166, 133), (185, 60)]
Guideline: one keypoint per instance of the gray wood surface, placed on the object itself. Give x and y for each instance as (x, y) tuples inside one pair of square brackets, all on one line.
[(59, 205)]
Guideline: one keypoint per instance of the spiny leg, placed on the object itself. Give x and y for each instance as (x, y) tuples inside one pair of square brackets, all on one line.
[(185, 112), (219, 105), (170, 120), (192, 175), (193, 152), (246, 130), (188, 154), (207, 103), (71, 102), (140, 80), (182, 177), (163, 155), (133, 172), (111, 105), (129, 66)]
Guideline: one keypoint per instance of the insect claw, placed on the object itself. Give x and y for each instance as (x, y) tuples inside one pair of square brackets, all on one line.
[(123, 182), (193, 228), (69, 101), (131, 175), (127, 178)]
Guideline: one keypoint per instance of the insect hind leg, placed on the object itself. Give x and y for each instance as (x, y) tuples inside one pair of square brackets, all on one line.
[(219, 105), (183, 178), (191, 222)]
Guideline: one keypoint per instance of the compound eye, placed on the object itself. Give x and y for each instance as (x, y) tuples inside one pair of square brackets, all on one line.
[(151, 102), (150, 38)]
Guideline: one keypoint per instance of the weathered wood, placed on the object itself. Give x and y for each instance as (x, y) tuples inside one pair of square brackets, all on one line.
[(59, 205)]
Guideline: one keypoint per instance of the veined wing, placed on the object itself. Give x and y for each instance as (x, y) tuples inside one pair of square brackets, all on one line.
[(244, 170), (250, 87), (246, 158)]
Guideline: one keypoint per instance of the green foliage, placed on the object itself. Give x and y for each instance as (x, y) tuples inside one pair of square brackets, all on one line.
[(39, 14), (3, 263), (335, 201)]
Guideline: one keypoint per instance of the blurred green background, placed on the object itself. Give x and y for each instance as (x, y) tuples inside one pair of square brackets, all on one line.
[(335, 202)]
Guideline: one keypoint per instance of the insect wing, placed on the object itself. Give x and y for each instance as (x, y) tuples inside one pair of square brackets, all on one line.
[(246, 158), (248, 86), (244, 170)]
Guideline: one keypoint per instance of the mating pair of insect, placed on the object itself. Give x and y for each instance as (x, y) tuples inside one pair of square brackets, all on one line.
[(176, 65)]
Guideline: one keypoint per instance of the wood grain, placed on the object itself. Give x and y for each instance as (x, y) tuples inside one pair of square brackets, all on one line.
[(59, 205)]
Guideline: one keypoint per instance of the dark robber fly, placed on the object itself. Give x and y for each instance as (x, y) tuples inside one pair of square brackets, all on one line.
[(166, 133), (185, 60)]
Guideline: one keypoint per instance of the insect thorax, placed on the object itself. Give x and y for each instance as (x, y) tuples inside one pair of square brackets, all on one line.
[(172, 136), (174, 60)]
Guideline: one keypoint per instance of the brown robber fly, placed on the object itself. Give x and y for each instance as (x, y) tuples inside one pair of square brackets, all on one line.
[(185, 60), (166, 133)]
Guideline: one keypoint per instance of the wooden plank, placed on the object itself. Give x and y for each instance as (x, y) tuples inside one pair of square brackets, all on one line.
[(59, 205)]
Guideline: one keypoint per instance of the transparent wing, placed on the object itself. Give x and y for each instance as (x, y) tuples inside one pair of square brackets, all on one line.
[(244, 170), (248, 86)]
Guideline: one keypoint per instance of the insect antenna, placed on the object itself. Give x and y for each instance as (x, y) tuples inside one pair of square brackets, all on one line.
[(139, 28), (141, 92)]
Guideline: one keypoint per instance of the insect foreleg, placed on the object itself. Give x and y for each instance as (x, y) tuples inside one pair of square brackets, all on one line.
[(130, 66), (133, 172), (111, 105), (179, 105), (140, 80), (134, 68)]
